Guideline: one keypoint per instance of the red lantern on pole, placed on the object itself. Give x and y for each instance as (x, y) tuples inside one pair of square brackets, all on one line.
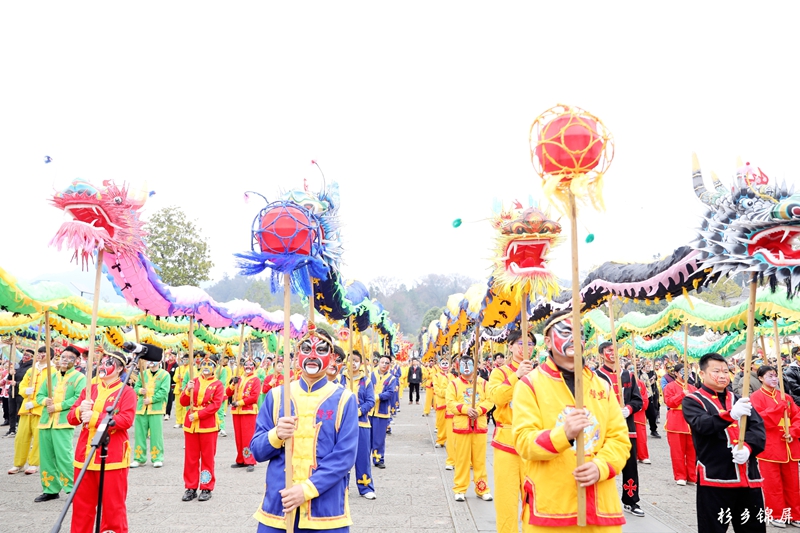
[(285, 229), (569, 144)]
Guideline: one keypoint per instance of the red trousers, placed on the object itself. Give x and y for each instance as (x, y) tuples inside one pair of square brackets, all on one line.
[(781, 488), (642, 452), (198, 460), (243, 427), (684, 460), (114, 516)]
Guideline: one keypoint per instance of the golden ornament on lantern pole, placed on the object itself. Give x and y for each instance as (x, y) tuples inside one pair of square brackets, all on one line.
[(570, 150)]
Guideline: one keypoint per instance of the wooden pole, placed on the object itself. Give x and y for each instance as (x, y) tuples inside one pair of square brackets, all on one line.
[(577, 335), (477, 348), (47, 349), (617, 365), (93, 324), (287, 393), (12, 355), (191, 347), (350, 371), (686, 369), (748, 355), (240, 365), (524, 323), (779, 362)]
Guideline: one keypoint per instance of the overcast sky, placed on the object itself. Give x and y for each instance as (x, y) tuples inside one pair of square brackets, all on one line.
[(419, 110)]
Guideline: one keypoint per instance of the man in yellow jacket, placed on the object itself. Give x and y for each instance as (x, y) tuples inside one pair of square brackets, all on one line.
[(507, 464), (545, 425), (441, 378), (178, 378), (26, 443), (469, 430)]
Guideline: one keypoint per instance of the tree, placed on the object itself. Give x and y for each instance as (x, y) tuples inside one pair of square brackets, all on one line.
[(176, 248), (432, 314)]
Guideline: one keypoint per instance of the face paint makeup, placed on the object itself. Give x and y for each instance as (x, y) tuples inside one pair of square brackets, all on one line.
[(771, 380), (249, 367), (67, 361), (106, 367), (466, 366), (314, 354), (207, 368), (561, 336)]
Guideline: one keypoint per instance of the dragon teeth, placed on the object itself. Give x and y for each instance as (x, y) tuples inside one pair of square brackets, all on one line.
[(785, 234)]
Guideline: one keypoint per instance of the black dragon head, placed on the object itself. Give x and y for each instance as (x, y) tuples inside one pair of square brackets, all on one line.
[(753, 226)]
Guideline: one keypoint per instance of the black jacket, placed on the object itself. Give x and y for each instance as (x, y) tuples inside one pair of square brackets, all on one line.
[(414, 374), (791, 381), (19, 373), (630, 393), (715, 433)]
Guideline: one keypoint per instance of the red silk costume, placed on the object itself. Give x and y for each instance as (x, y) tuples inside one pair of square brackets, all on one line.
[(679, 436)]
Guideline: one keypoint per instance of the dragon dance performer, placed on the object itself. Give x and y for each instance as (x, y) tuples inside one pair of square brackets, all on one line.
[(545, 424), (275, 379), (469, 430), (90, 410), (778, 461), (729, 480), (202, 397), (152, 388), (26, 443), (507, 464), (633, 404), (224, 376), (441, 378), (180, 376), (55, 431), (244, 392), (679, 435), (324, 430), (385, 392), (366, 401)]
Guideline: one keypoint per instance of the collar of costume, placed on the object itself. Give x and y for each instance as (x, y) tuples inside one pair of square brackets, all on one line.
[(712, 394), (312, 387)]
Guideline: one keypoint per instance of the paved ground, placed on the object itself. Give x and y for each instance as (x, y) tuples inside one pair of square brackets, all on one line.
[(414, 492)]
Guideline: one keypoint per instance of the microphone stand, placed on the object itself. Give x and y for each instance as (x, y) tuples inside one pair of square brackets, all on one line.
[(100, 440)]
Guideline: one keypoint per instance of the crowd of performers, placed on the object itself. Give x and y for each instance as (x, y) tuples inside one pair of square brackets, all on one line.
[(341, 415)]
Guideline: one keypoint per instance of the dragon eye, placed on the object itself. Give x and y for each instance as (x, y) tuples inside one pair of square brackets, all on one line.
[(117, 200), (747, 203)]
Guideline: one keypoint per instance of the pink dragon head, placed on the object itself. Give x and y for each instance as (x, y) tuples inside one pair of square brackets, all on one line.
[(104, 218)]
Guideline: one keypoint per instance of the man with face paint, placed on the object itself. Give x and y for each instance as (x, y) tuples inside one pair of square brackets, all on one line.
[(441, 378), (679, 436), (89, 411), (469, 430), (366, 400), (179, 377), (385, 387), (202, 397), (26, 443), (323, 426), (728, 478), (632, 399), (152, 388), (243, 392), (507, 463), (55, 431), (778, 461), (545, 424)]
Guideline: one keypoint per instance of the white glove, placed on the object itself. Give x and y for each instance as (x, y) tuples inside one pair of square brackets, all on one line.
[(28, 391), (28, 405), (741, 408), (626, 412), (740, 457)]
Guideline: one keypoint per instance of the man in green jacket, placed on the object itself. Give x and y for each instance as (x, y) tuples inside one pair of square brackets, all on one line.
[(55, 432), (152, 388)]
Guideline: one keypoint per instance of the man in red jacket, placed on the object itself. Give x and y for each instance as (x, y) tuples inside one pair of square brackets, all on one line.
[(203, 397), (679, 436), (90, 410), (243, 392)]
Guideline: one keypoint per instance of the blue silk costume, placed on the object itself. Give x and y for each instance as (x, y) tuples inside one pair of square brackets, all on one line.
[(385, 387), (366, 401), (328, 425)]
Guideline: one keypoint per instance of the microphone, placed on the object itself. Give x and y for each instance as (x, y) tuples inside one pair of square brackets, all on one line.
[(147, 352)]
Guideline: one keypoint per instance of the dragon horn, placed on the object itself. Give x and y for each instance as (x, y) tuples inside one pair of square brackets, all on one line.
[(715, 180), (697, 180)]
